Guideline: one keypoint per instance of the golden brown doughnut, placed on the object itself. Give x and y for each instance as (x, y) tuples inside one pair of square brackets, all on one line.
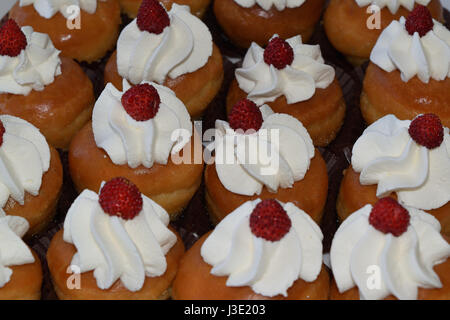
[(309, 194), (198, 7), (25, 282), (353, 196), (442, 270), (195, 89), (195, 282), (97, 35), (172, 186), (246, 25), (60, 110), (39, 210), (59, 257), (385, 93), (346, 27), (322, 115)]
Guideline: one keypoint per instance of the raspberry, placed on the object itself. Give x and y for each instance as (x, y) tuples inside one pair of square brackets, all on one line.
[(12, 39), (278, 53), (270, 221), (141, 102), (419, 20), (245, 115), (2, 132), (427, 130), (388, 216), (120, 197), (152, 17)]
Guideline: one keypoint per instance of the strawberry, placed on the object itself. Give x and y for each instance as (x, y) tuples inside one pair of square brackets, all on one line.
[(152, 17), (120, 197), (269, 221), (245, 115), (388, 216), (419, 20), (427, 130), (2, 132), (12, 39), (278, 53), (141, 102)]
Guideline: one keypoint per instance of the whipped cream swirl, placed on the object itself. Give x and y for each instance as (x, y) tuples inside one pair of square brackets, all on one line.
[(24, 158), (278, 155), (48, 8), (35, 67), (425, 57), (267, 4), (269, 268), (403, 263), (297, 82), (127, 141), (393, 5), (386, 155), (13, 251), (183, 47), (115, 248)]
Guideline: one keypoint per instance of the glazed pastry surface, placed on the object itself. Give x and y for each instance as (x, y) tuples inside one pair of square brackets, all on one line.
[(385, 93), (260, 25), (60, 110), (97, 34)]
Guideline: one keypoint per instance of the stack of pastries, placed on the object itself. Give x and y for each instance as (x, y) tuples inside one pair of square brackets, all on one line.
[(135, 157)]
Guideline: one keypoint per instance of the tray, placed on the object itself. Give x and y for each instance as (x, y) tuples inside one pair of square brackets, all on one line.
[(194, 220)]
